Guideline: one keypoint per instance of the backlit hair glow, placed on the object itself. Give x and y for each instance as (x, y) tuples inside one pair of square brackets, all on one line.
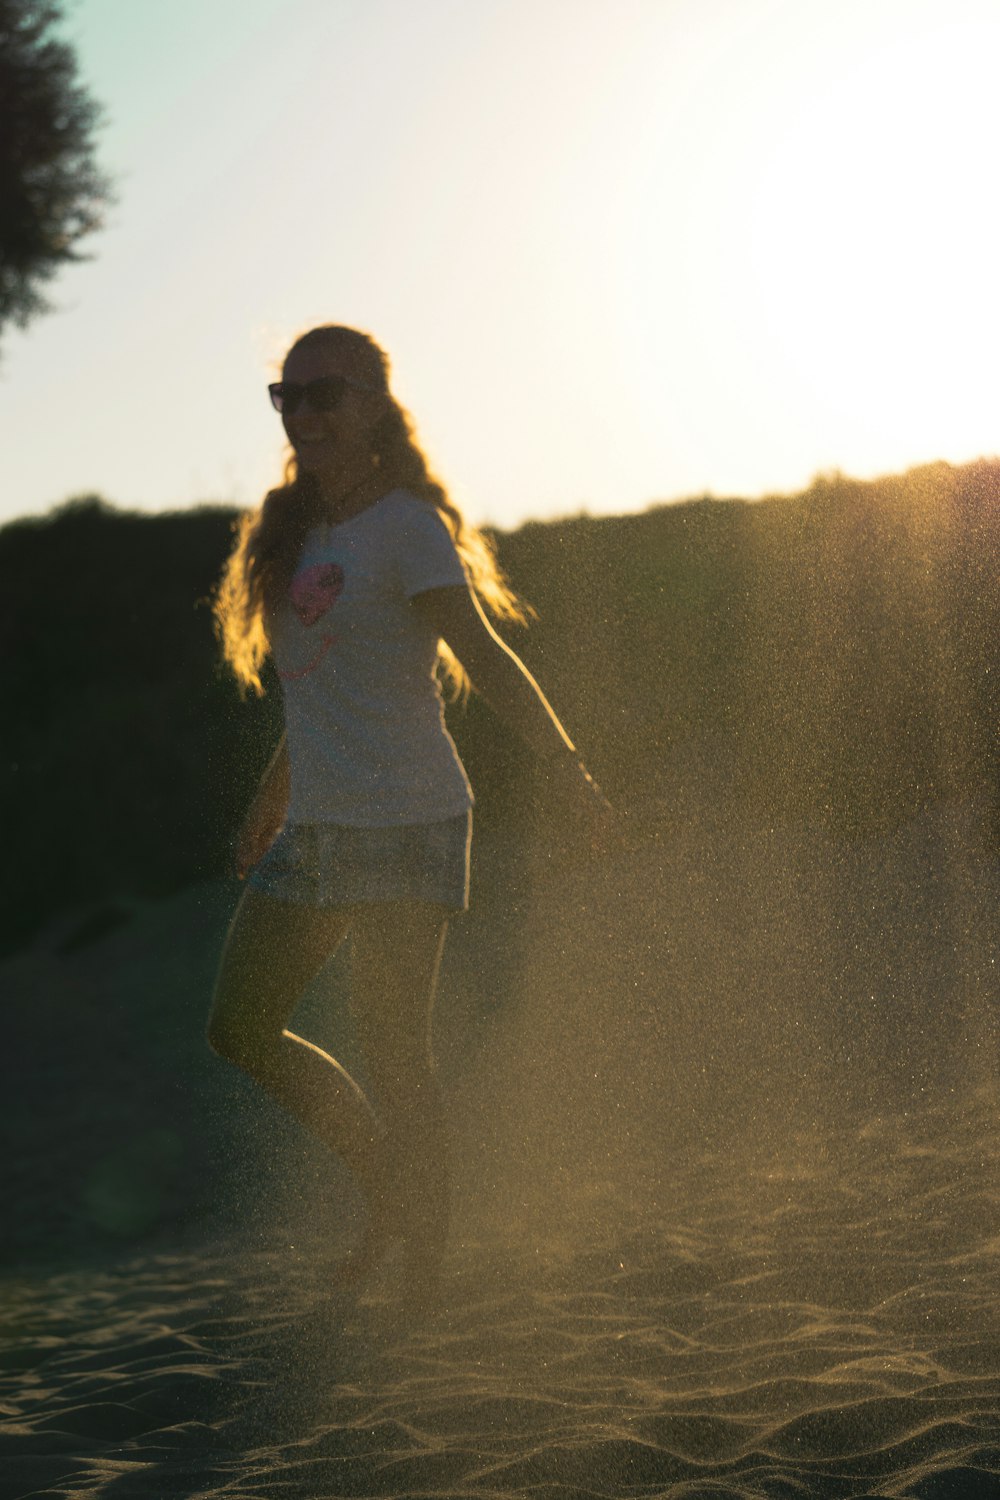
[(269, 539)]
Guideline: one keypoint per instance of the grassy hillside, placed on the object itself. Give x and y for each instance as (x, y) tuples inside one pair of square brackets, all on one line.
[(827, 657)]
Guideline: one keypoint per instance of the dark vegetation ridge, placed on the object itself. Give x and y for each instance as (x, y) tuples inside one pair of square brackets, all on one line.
[(830, 657)]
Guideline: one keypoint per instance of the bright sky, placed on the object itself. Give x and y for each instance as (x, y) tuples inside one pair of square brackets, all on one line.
[(619, 251)]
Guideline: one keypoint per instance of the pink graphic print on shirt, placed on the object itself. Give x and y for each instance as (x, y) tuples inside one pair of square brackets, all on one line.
[(316, 590), (313, 593)]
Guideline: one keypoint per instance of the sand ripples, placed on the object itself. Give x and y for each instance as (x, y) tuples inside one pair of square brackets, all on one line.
[(821, 1325)]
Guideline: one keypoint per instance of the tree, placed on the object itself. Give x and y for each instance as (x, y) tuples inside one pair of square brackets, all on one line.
[(52, 192)]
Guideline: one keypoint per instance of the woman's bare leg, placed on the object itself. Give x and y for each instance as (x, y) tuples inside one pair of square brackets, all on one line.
[(273, 950), (396, 953)]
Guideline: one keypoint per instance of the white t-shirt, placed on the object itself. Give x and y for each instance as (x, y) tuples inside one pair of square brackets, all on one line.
[(367, 742)]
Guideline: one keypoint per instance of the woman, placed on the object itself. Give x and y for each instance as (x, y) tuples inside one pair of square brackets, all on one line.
[(358, 576)]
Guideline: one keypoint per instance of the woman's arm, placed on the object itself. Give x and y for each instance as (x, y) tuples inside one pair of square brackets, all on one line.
[(496, 673), (504, 682), (267, 812)]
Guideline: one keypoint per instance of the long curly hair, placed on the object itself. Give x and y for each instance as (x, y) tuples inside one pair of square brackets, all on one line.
[(269, 539)]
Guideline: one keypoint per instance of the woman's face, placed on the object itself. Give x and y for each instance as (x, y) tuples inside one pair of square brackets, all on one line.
[(338, 440)]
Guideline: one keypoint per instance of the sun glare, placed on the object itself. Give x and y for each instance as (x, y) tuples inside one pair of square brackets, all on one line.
[(806, 248), (618, 253), (872, 247)]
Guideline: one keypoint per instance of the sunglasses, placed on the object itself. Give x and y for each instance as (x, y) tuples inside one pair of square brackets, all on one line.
[(324, 394)]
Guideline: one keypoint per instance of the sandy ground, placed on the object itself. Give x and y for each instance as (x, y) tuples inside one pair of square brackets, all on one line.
[(812, 1331), (727, 1215)]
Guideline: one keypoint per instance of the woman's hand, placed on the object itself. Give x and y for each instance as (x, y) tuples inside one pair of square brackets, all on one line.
[(582, 812), (267, 814), (255, 837)]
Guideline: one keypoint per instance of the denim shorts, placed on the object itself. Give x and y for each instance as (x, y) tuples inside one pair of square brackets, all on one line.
[(336, 864)]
